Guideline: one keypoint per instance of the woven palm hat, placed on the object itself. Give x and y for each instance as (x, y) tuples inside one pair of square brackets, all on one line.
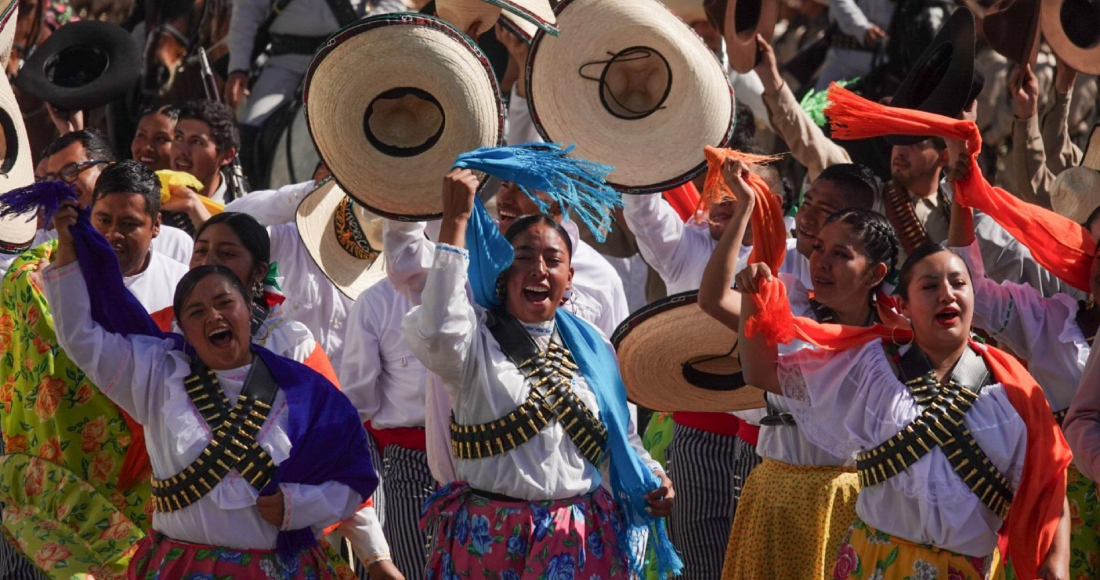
[(1075, 193), (16, 166), (343, 238), (391, 101), (633, 87), (528, 15), (1072, 29), (674, 357)]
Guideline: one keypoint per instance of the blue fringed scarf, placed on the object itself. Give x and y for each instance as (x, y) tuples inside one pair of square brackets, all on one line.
[(322, 422), (577, 185), (490, 255)]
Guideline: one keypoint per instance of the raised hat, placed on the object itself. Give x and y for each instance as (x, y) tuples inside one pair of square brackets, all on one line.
[(674, 357), (633, 87), (1012, 28), (1075, 192), (1072, 29), (16, 166), (81, 66), (391, 101), (744, 20), (942, 80), (343, 238), (527, 15)]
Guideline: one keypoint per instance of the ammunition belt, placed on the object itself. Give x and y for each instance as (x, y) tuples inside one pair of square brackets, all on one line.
[(900, 212)]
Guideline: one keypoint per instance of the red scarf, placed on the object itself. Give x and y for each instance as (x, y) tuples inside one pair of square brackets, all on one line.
[(1059, 244)]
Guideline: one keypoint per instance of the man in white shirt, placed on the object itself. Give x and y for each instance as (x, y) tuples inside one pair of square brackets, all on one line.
[(206, 140)]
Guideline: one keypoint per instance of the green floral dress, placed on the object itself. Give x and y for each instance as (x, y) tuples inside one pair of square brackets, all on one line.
[(658, 435), (64, 445)]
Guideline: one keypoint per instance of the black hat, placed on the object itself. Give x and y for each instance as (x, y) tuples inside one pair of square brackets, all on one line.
[(82, 66), (942, 80)]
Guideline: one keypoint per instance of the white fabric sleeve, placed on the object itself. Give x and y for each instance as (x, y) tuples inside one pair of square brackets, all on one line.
[(272, 207), (850, 18), (409, 255), (244, 23), (521, 126), (441, 330), (108, 359), (659, 232), (317, 506), (364, 532), (359, 373)]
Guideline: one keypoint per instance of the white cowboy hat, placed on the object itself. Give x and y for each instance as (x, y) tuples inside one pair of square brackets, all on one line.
[(1075, 193), (16, 166), (391, 101), (633, 87), (343, 238)]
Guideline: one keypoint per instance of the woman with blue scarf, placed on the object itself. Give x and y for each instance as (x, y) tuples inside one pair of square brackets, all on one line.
[(539, 411)]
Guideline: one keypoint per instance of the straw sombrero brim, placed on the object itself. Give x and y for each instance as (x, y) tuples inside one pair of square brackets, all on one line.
[(1075, 193), (1085, 59), (398, 52), (537, 13), (315, 219), (16, 166), (653, 346), (650, 154)]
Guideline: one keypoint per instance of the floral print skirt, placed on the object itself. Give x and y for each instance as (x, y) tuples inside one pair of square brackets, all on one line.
[(1084, 510), (868, 554), (162, 558), (474, 538)]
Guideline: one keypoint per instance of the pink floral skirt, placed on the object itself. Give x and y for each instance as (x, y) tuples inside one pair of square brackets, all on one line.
[(474, 537), (162, 558)]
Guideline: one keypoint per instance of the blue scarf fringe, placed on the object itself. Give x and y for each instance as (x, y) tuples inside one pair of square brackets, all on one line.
[(579, 186), (630, 478)]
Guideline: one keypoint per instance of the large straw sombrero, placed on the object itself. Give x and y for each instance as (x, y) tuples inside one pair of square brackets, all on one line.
[(391, 101), (81, 66), (527, 15), (16, 166), (343, 238), (1072, 29), (633, 87), (1075, 193), (674, 357)]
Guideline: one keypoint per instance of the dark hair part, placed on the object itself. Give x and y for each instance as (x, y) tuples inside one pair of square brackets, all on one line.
[(917, 257), (874, 232), (130, 177), (529, 221), (191, 279), (857, 181), (167, 109), (96, 145), (219, 117), (254, 237)]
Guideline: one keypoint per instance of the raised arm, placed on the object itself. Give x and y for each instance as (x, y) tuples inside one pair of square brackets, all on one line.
[(759, 360), (409, 254), (273, 207), (716, 295), (1061, 152), (1028, 156)]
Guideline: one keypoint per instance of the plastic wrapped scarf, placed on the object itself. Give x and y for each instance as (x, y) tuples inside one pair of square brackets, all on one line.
[(1057, 243), (630, 478), (169, 179), (577, 185)]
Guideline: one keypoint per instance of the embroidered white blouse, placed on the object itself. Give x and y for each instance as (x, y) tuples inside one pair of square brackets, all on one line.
[(851, 400), (144, 377), (447, 333), (1042, 331)]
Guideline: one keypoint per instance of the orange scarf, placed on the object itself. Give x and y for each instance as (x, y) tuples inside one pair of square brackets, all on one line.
[(1037, 505), (1059, 244)]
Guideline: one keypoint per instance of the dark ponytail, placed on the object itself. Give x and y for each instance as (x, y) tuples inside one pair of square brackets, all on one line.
[(874, 232)]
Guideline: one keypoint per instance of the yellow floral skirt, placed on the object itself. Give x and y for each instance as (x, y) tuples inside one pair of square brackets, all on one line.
[(790, 522), (868, 554)]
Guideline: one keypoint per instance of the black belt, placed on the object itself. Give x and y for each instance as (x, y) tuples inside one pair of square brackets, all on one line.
[(497, 496), (290, 44)]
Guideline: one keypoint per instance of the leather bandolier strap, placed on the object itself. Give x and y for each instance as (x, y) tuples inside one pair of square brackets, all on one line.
[(940, 424), (900, 212), (233, 446), (550, 376)]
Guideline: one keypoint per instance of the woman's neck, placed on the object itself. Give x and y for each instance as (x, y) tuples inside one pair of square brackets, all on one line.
[(856, 314), (942, 357)]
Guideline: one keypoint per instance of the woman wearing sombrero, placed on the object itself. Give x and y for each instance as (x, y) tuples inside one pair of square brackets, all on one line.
[(539, 411), (261, 454), (801, 496)]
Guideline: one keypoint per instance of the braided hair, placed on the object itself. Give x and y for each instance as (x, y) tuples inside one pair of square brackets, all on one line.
[(874, 231)]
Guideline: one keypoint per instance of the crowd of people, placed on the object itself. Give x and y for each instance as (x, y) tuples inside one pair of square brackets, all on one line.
[(595, 289)]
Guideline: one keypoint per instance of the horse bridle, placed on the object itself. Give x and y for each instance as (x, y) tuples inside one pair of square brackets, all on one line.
[(193, 39), (31, 39)]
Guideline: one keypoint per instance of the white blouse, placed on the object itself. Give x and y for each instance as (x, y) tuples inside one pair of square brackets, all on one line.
[(851, 400), (447, 333), (1043, 331), (155, 286), (144, 377)]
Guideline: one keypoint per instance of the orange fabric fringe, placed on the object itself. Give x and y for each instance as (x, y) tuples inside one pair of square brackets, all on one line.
[(1059, 244)]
